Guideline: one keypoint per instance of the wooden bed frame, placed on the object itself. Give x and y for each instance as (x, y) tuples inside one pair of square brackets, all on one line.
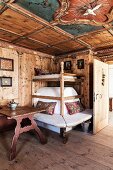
[(63, 77)]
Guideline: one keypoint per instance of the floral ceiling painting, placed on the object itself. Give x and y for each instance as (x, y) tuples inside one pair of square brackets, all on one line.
[(94, 12)]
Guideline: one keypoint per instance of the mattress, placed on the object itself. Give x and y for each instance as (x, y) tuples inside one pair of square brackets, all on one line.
[(54, 120), (52, 76), (66, 120)]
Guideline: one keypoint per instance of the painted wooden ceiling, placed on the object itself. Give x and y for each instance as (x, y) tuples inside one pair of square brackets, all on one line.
[(57, 26)]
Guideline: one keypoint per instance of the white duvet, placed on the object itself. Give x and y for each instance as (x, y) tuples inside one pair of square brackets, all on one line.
[(55, 91)]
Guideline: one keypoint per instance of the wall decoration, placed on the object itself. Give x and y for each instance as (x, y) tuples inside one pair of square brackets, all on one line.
[(6, 64), (80, 64), (67, 65), (5, 81)]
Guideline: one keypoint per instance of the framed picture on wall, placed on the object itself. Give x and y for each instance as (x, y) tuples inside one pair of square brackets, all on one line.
[(6, 64), (67, 65), (80, 64), (5, 81)]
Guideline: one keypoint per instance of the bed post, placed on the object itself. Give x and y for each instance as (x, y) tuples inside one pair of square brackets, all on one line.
[(62, 89), (33, 91)]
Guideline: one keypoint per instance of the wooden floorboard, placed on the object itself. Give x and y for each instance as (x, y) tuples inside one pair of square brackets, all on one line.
[(82, 152)]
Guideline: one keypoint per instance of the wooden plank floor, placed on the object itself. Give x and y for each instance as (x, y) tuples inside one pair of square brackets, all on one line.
[(82, 152)]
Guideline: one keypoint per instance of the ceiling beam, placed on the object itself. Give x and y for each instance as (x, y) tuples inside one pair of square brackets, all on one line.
[(34, 17), (104, 52), (109, 28), (21, 49), (21, 10), (28, 34), (104, 45), (73, 53), (28, 14), (5, 3), (107, 58), (3, 9), (50, 46), (83, 43), (8, 31), (110, 31)]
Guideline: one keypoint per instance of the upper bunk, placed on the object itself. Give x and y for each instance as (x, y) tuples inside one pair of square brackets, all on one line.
[(68, 77), (57, 77)]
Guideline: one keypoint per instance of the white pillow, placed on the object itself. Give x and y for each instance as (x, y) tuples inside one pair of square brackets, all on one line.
[(55, 91)]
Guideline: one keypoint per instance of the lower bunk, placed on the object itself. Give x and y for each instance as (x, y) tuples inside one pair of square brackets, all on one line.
[(62, 124), (52, 119)]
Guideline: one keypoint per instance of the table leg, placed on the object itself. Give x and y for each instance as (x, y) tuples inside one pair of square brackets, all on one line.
[(19, 130), (38, 132), (14, 141)]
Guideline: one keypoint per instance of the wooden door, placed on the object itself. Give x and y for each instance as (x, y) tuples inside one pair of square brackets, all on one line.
[(101, 96)]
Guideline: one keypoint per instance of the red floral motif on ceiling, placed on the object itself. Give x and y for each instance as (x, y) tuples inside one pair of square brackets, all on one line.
[(94, 12)]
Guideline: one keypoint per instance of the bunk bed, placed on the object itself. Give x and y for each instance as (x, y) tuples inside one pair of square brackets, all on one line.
[(60, 119)]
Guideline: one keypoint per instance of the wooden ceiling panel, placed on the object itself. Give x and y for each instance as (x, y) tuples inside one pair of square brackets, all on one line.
[(15, 22), (105, 45), (97, 38), (69, 45), (51, 50), (49, 36), (30, 44), (7, 36)]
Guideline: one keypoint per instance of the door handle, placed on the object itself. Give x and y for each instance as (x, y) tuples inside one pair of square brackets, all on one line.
[(97, 96), (100, 96)]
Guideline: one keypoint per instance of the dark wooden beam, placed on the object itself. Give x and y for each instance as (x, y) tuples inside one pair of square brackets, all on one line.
[(40, 42), (8, 31), (83, 43), (3, 9), (19, 9), (28, 34), (110, 31)]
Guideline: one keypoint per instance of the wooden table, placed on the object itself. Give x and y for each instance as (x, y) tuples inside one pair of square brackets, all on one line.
[(20, 114)]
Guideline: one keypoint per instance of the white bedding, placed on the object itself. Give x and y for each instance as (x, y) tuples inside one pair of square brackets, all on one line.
[(55, 91), (64, 121), (56, 119), (52, 76)]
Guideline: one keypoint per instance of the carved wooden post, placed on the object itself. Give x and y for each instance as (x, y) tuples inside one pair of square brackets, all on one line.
[(62, 89), (62, 68)]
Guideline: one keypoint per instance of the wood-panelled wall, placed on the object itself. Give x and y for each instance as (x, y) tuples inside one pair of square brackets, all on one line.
[(8, 93), (86, 72), (24, 64), (26, 67)]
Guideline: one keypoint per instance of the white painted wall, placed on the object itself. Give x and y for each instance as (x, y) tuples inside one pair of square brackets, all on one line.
[(111, 80)]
